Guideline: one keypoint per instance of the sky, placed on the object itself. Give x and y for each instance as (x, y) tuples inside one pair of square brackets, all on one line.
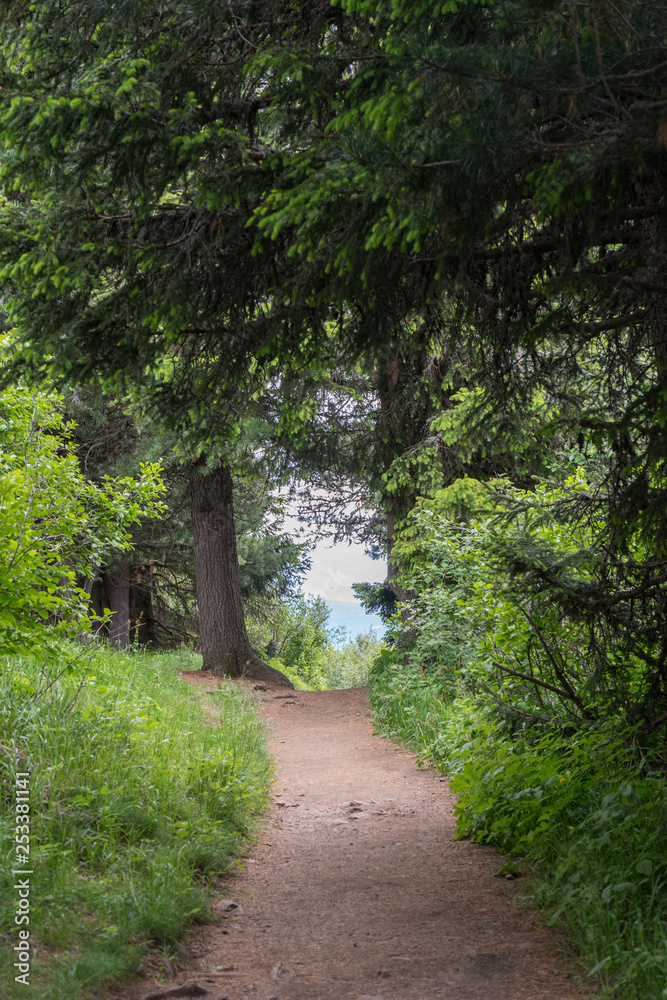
[(333, 571), (335, 568)]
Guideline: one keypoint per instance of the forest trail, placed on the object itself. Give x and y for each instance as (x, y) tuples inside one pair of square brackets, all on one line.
[(357, 888)]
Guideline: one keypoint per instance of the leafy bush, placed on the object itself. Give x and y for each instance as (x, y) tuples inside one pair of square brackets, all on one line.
[(594, 822), (136, 802), (584, 812), (293, 631), (500, 605), (313, 683), (54, 525), (505, 673), (338, 666), (349, 664), (416, 707)]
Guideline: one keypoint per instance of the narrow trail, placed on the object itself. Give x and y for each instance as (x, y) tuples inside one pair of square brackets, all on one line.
[(358, 889)]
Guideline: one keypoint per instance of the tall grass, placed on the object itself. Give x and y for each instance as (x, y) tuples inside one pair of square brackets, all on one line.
[(585, 813), (136, 800)]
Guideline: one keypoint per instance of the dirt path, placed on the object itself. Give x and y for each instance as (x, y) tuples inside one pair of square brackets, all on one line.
[(358, 889)]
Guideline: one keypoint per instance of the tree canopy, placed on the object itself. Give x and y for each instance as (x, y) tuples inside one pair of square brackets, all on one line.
[(228, 202)]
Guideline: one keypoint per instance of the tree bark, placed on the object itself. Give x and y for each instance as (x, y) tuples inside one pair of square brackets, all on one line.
[(400, 427), (651, 191), (392, 573), (118, 592), (225, 646), (111, 589), (142, 619), (95, 586)]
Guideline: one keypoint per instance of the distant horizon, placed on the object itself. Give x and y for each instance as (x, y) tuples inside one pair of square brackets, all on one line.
[(351, 616)]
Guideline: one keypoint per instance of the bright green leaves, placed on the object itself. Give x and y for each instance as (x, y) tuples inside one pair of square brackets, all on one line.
[(54, 526), (489, 563), (418, 470), (294, 632)]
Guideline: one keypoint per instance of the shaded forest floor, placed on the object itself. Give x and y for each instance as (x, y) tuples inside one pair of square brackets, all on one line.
[(357, 888)]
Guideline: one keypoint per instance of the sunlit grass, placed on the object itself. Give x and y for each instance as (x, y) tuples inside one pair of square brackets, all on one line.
[(136, 800)]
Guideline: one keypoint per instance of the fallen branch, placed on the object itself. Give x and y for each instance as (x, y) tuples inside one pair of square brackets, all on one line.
[(187, 990)]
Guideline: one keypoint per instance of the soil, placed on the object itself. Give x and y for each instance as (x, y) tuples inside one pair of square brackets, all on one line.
[(357, 889)]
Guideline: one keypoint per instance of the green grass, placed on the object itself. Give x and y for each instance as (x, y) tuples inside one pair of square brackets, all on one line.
[(586, 813), (136, 803)]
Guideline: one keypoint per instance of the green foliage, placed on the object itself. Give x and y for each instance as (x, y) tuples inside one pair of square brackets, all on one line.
[(376, 598), (416, 707), (136, 802), (115, 437), (148, 145), (314, 682), (271, 563), (335, 665), (348, 664), (54, 524), (504, 168), (415, 549), (294, 631), (593, 822), (540, 710), (472, 425), (508, 600)]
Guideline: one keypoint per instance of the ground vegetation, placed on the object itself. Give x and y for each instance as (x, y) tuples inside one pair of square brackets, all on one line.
[(137, 805)]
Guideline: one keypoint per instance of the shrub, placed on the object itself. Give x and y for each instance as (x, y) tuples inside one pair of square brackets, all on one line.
[(583, 813), (54, 525), (293, 631), (349, 664)]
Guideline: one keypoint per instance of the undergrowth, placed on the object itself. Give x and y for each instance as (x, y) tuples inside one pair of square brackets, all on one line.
[(345, 665), (136, 803), (586, 811), (348, 664)]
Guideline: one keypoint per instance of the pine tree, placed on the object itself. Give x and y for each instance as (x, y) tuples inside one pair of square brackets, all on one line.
[(512, 158), (132, 165)]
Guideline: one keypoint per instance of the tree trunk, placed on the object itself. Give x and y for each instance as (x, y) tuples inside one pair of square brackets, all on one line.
[(118, 592), (392, 580), (142, 619), (111, 589), (401, 418), (225, 646), (651, 191)]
